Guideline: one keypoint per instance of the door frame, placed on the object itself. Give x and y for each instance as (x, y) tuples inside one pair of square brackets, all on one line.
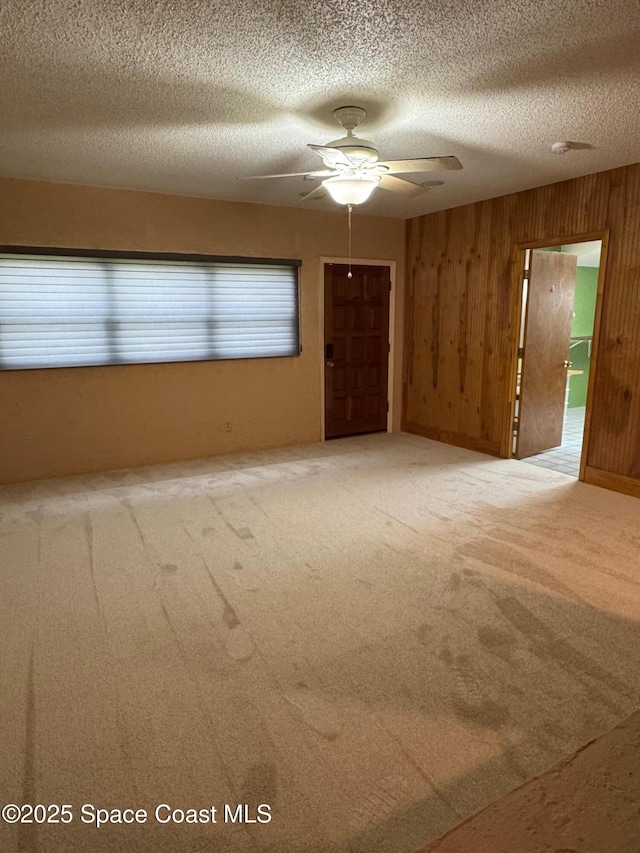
[(367, 262), (518, 319)]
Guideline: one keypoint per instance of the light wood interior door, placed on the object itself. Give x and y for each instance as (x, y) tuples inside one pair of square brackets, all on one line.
[(356, 326), (551, 289)]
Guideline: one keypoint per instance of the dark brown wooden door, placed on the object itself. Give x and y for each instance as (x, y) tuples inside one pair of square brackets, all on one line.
[(356, 335), (552, 284)]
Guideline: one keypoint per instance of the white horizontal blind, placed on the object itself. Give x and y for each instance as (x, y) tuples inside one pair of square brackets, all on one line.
[(70, 311)]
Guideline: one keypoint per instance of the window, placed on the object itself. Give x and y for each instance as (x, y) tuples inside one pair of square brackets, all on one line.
[(71, 310)]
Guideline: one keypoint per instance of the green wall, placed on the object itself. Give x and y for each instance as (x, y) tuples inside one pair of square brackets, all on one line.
[(584, 306)]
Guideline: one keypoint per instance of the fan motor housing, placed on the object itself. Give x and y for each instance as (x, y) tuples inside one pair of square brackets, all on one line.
[(356, 149)]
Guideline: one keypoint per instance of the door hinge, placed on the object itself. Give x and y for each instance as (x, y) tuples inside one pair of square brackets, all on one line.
[(516, 426), (387, 405), (520, 352), (388, 347), (526, 275)]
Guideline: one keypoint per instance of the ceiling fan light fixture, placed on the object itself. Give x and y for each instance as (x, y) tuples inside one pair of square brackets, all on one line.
[(351, 189)]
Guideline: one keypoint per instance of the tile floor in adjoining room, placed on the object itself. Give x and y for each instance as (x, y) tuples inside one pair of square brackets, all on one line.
[(565, 458)]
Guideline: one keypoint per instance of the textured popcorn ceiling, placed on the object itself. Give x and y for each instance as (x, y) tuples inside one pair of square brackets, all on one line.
[(187, 96)]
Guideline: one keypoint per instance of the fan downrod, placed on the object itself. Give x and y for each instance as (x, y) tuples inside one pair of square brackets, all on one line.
[(349, 117)]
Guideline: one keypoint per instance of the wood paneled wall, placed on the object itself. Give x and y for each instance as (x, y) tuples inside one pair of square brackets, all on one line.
[(462, 305)]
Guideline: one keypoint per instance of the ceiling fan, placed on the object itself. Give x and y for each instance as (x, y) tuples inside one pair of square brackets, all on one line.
[(353, 170)]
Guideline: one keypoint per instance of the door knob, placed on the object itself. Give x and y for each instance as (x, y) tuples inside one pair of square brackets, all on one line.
[(330, 364), (567, 363)]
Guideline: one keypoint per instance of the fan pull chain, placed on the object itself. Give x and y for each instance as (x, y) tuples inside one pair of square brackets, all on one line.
[(349, 208)]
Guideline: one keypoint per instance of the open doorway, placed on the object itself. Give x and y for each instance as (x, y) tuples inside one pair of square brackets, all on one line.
[(555, 354)]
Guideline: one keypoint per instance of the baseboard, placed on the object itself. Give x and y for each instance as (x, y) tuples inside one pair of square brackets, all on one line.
[(481, 445), (615, 482)]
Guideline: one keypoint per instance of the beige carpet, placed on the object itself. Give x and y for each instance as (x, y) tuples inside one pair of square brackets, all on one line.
[(375, 637)]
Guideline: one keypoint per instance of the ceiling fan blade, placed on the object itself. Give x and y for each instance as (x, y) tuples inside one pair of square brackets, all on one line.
[(400, 186), (322, 173), (422, 164), (331, 157), (315, 194)]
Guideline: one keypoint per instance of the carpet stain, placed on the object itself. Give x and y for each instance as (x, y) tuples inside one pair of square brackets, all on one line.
[(315, 712), (258, 506), (240, 532), (27, 839), (239, 645), (405, 693), (512, 560), (496, 642), (231, 618), (455, 582), (167, 618), (229, 614), (260, 784), (469, 702), (547, 646), (425, 634), (446, 655), (88, 531), (243, 533), (169, 568), (487, 713), (379, 801)]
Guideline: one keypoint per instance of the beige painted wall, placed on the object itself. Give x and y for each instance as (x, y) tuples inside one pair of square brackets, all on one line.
[(72, 420)]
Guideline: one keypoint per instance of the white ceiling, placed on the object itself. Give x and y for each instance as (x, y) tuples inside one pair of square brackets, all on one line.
[(186, 96)]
